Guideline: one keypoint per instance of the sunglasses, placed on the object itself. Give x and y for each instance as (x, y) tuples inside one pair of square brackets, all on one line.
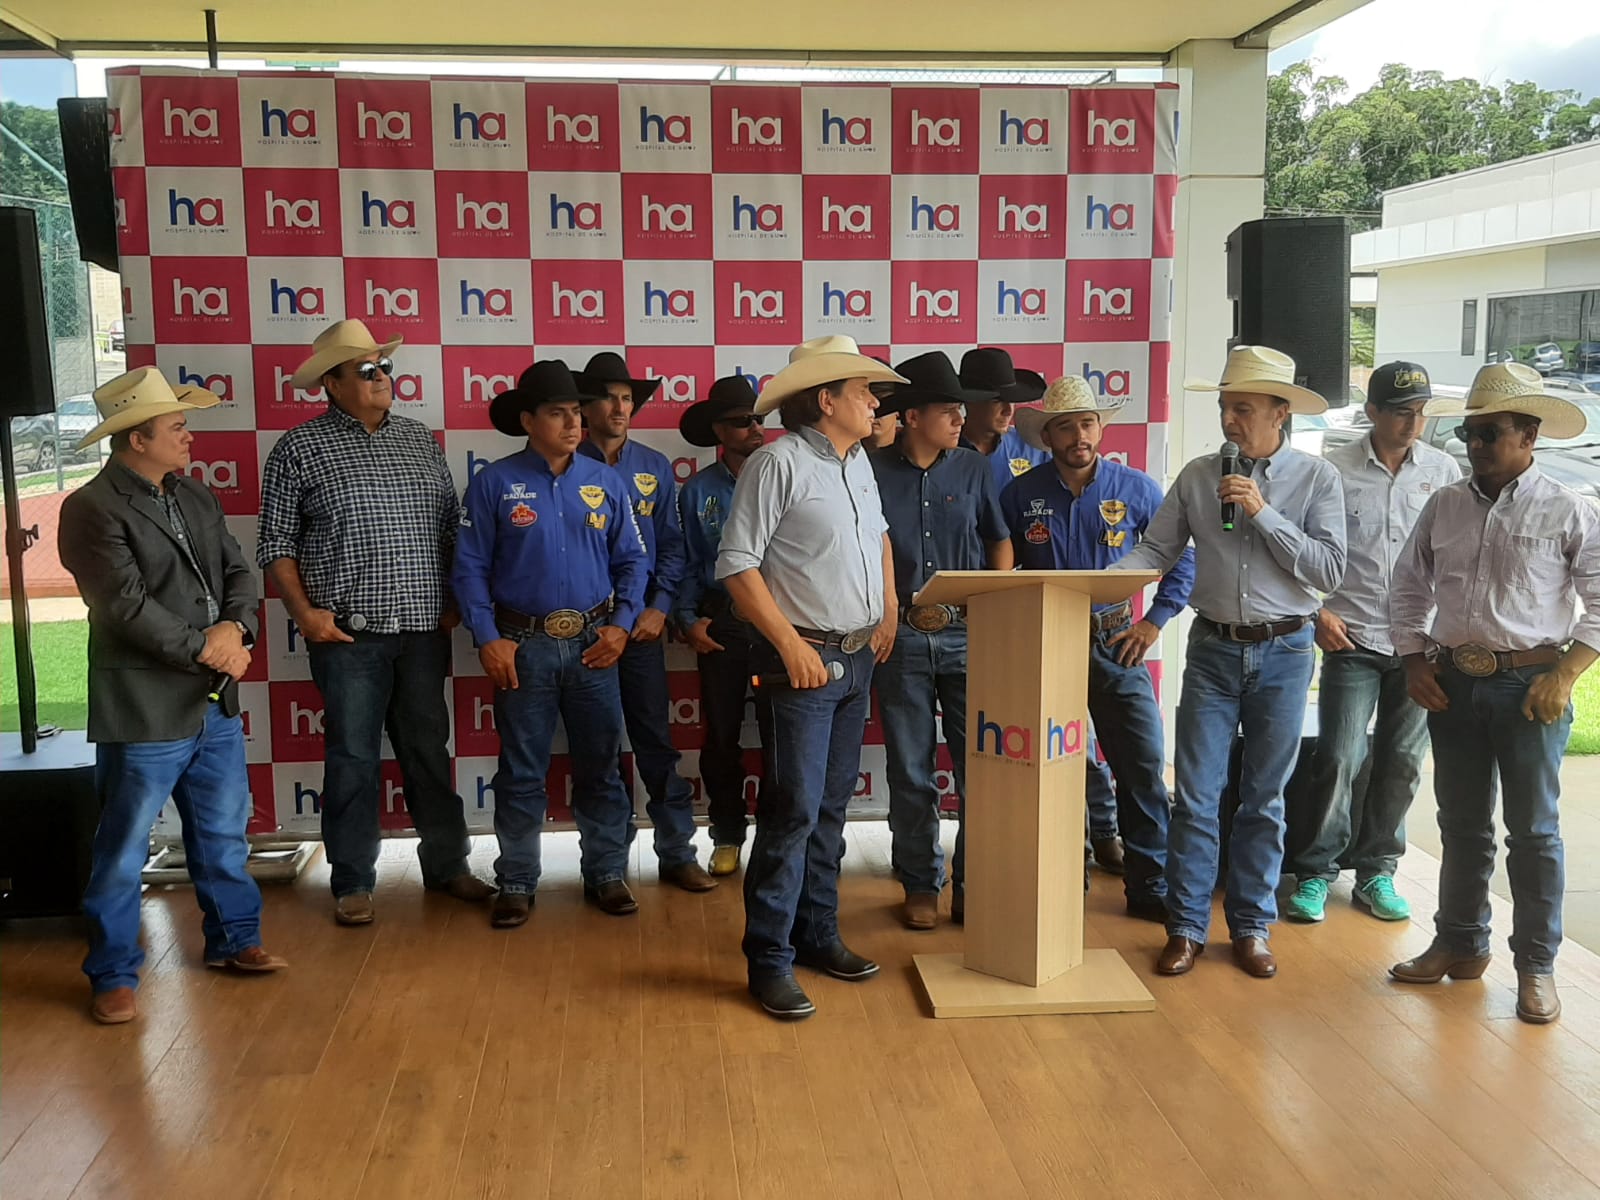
[(1487, 434), (367, 372), (741, 422)]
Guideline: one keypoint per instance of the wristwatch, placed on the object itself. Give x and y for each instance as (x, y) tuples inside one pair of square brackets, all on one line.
[(244, 632)]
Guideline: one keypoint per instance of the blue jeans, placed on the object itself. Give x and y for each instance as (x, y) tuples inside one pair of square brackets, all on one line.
[(1099, 795), (552, 681), (1227, 685), (392, 681), (1482, 730), (205, 776), (724, 684), (1122, 703), (791, 885), (1371, 839), (924, 667), (642, 678)]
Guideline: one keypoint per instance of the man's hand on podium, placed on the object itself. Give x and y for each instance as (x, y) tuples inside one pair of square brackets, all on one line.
[(1134, 642)]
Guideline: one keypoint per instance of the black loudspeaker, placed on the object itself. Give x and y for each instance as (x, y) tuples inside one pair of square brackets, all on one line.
[(86, 150), (30, 390), (1289, 280), (48, 813)]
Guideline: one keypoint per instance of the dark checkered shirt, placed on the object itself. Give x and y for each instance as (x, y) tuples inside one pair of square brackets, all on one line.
[(370, 518)]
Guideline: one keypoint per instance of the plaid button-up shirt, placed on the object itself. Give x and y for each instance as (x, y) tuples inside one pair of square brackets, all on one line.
[(370, 518)]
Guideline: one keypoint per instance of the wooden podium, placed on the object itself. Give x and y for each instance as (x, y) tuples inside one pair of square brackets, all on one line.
[(1027, 734)]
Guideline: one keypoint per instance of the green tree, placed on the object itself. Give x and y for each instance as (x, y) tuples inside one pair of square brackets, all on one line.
[(20, 175)]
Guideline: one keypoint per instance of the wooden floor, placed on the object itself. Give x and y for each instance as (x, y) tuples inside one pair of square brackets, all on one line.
[(587, 1056)]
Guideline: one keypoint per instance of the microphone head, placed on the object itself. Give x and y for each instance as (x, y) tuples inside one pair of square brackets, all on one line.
[(1230, 449)]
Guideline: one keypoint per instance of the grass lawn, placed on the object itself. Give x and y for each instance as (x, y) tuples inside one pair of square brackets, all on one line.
[(1586, 714)]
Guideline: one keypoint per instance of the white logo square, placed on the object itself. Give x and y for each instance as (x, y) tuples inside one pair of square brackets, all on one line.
[(935, 217), (669, 303), (485, 302), (195, 211), (850, 298)]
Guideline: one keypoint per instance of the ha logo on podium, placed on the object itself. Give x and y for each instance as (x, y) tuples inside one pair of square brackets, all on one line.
[(1027, 710)]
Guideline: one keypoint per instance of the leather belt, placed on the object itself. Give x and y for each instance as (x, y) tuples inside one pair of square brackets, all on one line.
[(563, 624), (850, 642), (1480, 661), (931, 618), (1262, 632), (1110, 618)]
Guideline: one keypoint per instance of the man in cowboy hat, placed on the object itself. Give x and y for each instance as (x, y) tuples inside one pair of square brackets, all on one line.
[(724, 643), (172, 614), (358, 523), (944, 515), (1084, 512), (988, 428), (1269, 541), (806, 556), (611, 398), (550, 573), (1388, 476), (1496, 612)]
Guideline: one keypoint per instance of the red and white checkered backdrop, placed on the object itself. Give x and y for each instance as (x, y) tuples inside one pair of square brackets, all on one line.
[(704, 229)]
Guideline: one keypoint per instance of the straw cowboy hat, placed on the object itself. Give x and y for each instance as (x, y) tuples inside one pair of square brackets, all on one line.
[(1513, 388), (1069, 394), (1266, 371), (819, 361), (338, 343), (133, 398)]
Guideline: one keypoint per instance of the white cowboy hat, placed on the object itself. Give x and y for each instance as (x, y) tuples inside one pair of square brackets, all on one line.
[(1069, 394), (822, 360), (1266, 371), (1513, 388), (338, 343), (133, 398)]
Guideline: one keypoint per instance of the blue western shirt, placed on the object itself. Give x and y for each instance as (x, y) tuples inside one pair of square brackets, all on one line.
[(1053, 530), (1012, 458), (939, 518), (647, 474), (703, 505), (534, 541)]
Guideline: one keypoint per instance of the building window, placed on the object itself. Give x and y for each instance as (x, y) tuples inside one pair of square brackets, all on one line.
[(1469, 327), (1554, 332)]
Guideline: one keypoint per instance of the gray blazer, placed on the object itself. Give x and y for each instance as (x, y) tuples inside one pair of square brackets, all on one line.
[(147, 609)]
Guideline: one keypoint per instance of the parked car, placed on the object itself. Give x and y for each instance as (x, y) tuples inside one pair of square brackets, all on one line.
[(119, 339), (40, 440), (1586, 356), (1589, 379), (1322, 432), (1547, 357), (1564, 385), (1574, 462)]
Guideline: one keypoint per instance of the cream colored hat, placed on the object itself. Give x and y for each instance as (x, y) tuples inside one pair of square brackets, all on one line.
[(338, 343), (1264, 370), (822, 360), (133, 398), (1513, 388), (1069, 394)]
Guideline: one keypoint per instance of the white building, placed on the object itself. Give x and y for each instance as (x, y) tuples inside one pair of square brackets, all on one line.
[(1503, 260)]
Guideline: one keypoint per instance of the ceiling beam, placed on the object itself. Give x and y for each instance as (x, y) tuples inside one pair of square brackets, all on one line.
[(1294, 22)]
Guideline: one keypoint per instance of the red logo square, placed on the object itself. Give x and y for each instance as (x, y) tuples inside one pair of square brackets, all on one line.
[(1022, 216), (577, 303), (482, 214), (1160, 383), (755, 129), (475, 375), (936, 130), (131, 210), (385, 123), (190, 120), (279, 404), (1108, 300), (686, 374), (847, 217), (685, 720), (573, 127), (476, 736), (227, 463), (1113, 131), (200, 301), (666, 217), (292, 213), (934, 303), (760, 303), (1130, 444), (400, 294)]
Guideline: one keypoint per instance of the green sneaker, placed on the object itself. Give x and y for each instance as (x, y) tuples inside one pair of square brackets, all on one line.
[(1377, 896), (1308, 901)]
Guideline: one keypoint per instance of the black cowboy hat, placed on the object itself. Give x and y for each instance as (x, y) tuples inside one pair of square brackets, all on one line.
[(728, 394), (933, 380), (609, 367), (548, 381), (990, 368)]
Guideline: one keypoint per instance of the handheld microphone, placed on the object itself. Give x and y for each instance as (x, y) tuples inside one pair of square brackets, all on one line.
[(781, 678), (219, 680), (1230, 466)]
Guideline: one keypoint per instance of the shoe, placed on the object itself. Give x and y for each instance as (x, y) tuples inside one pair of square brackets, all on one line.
[(838, 960), (781, 996), (1148, 908), (958, 906), (689, 876), (724, 859), (1178, 955), (921, 911), (510, 910), (1250, 955), (1434, 964), (353, 909), (115, 1007), (1538, 1002), (1108, 854), (254, 959), (612, 898), (1309, 902), (1378, 897), (466, 886)]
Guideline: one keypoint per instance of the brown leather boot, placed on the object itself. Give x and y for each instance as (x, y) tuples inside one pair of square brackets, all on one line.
[(1178, 955)]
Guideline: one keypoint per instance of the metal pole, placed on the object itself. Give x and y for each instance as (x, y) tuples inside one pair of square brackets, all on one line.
[(211, 36), (17, 541)]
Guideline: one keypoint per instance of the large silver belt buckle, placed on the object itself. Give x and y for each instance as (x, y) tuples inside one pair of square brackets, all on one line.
[(564, 623), (928, 618), (855, 641), (1475, 660)]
